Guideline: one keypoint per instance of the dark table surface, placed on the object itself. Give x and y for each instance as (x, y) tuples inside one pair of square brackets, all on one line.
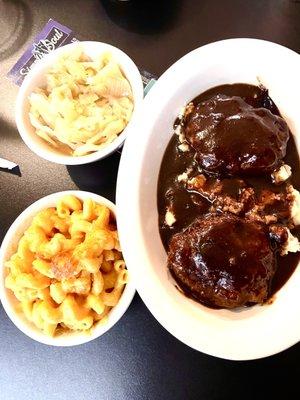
[(137, 359)]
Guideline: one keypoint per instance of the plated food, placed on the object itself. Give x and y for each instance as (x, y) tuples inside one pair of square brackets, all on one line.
[(77, 104), (228, 199), (85, 104), (68, 271), (64, 277), (238, 333)]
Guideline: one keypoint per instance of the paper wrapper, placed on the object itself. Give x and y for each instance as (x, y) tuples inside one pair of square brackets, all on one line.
[(52, 36)]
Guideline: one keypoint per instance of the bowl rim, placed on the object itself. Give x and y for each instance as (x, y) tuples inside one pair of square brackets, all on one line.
[(25, 326), (128, 165), (38, 70)]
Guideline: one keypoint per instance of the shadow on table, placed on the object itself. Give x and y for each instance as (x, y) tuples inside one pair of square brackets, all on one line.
[(143, 16), (14, 171), (99, 177), (21, 14), (8, 131)]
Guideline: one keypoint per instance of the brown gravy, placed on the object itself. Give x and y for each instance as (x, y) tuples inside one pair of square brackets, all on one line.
[(189, 205)]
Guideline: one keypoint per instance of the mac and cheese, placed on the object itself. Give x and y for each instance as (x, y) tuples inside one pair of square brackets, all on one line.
[(68, 271)]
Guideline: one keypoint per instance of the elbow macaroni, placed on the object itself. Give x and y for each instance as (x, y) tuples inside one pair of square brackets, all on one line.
[(68, 271)]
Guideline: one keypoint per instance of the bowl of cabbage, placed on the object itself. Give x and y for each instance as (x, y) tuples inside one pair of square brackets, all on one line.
[(79, 102)]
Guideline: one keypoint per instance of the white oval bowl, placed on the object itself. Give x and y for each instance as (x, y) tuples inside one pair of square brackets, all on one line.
[(9, 302), (247, 333), (37, 78)]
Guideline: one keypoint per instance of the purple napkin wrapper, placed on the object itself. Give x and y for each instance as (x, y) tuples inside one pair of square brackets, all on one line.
[(52, 36)]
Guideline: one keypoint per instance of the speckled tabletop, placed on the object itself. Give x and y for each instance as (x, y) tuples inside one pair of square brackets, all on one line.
[(137, 359)]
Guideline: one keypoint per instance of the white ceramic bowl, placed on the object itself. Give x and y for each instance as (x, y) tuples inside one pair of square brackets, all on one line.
[(8, 300), (238, 335), (36, 78)]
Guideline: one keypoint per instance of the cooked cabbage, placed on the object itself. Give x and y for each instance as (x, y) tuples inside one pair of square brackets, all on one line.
[(85, 105)]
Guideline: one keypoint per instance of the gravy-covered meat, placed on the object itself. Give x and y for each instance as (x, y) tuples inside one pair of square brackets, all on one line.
[(223, 261), (233, 195), (232, 138), (229, 197), (226, 195)]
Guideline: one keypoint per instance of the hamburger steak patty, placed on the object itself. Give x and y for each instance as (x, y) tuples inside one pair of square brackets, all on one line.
[(231, 137), (223, 261)]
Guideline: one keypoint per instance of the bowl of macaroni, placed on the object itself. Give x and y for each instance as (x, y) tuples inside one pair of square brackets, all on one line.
[(63, 278), (79, 102)]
